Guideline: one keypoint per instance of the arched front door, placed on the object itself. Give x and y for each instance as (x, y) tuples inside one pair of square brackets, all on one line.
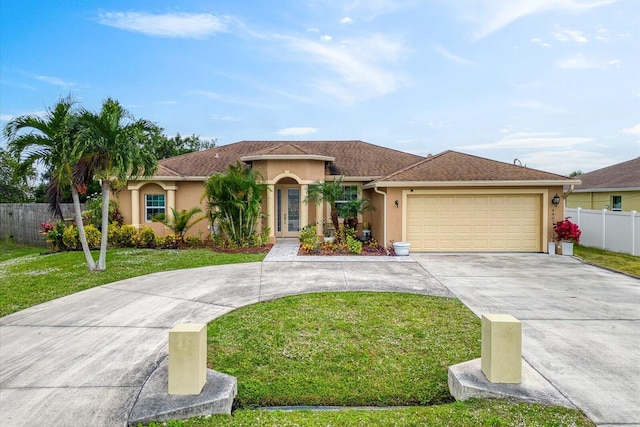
[(288, 203)]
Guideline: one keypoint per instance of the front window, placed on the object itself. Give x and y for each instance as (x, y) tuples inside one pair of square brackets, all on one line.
[(616, 203), (154, 205), (349, 193)]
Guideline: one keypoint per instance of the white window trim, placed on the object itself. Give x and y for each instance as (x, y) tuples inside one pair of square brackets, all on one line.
[(147, 207)]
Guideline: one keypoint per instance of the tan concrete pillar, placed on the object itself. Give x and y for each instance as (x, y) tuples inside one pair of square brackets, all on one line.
[(171, 202), (271, 210), (304, 206), (501, 358), (187, 358), (319, 217), (135, 208)]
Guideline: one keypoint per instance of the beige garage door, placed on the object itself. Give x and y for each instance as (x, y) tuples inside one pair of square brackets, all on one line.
[(474, 223)]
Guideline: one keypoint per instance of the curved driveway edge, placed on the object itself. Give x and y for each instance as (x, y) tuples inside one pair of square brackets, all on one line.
[(84, 358)]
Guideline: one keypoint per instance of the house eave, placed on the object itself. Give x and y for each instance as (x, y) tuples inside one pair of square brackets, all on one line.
[(523, 183), (605, 190), (287, 157)]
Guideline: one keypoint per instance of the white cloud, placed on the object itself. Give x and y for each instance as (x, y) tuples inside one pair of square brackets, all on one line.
[(178, 25), (8, 117), (357, 67), (346, 20), (326, 38), (566, 161), (56, 81), (634, 130), (296, 131), (569, 35), (540, 42), (493, 15), (530, 140), (581, 62), (225, 118), (446, 54), (313, 30)]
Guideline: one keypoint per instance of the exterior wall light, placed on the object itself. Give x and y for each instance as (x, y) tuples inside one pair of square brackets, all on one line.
[(556, 200)]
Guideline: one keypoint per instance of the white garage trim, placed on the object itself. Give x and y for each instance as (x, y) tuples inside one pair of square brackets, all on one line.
[(541, 192)]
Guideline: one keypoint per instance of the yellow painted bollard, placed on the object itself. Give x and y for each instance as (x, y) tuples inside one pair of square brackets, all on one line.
[(501, 359), (187, 358)]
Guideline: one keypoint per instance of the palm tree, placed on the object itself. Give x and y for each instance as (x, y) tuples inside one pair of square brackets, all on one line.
[(234, 199), (52, 142), (351, 209), (330, 192), (180, 221), (114, 150)]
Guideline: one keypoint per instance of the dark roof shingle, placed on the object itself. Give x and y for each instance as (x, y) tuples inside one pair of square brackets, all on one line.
[(352, 158), (622, 175), (455, 166)]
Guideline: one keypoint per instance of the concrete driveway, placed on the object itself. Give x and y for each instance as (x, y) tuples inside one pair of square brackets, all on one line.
[(83, 359), (581, 324)]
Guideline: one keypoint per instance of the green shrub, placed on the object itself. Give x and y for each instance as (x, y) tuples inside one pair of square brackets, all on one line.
[(53, 234), (128, 236), (70, 238), (93, 236), (355, 246), (194, 242), (170, 241), (113, 234), (146, 237)]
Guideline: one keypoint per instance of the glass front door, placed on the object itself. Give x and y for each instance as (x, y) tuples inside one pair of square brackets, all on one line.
[(287, 211)]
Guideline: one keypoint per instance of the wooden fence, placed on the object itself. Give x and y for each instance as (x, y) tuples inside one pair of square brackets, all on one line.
[(20, 222)]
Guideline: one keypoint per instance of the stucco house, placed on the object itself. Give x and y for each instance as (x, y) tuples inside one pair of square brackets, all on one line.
[(615, 188), (445, 202)]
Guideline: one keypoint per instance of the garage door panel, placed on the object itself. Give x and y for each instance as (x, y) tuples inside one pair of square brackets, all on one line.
[(505, 222)]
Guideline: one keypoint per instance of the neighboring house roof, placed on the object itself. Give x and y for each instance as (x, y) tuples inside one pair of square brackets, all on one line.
[(625, 175), (352, 158), (454, 167)]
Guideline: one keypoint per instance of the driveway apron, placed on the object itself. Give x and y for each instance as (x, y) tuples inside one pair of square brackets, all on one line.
[(581, 324)]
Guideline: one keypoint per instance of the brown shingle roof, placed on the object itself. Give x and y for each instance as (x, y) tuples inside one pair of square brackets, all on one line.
[(455, 166), (622, 175), (352, 158)]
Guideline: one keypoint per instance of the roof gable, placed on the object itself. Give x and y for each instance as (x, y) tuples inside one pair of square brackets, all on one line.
[(619, 176), (455, 166), (352, 158)]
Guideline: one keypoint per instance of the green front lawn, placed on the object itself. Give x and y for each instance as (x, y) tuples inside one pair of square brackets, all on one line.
[(27, 278), (357, 349), (622, 262)]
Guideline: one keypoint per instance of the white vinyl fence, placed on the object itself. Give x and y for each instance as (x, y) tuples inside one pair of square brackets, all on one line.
[(613, 231)]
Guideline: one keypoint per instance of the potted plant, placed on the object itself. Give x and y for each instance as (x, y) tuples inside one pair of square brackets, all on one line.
[(568, 233)]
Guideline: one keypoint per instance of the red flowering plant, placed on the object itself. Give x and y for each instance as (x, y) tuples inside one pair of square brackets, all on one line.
[(567, 231)]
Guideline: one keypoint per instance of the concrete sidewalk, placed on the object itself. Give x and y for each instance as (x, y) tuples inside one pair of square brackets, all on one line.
[(83, 359)]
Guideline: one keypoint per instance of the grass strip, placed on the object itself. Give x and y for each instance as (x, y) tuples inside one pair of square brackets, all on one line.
[(31, 279), (614, 260)]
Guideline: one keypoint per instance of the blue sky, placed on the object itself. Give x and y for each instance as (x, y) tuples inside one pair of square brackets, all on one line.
[(553, 83)]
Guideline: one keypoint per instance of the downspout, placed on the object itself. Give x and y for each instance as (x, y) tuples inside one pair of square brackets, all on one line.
[(571, 188), (384, 217)]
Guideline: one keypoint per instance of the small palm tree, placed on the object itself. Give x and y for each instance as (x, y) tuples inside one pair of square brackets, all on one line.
[(234, 200), (52, 141), (114, 149), (351, 209), (180, 221), (330, 192)]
